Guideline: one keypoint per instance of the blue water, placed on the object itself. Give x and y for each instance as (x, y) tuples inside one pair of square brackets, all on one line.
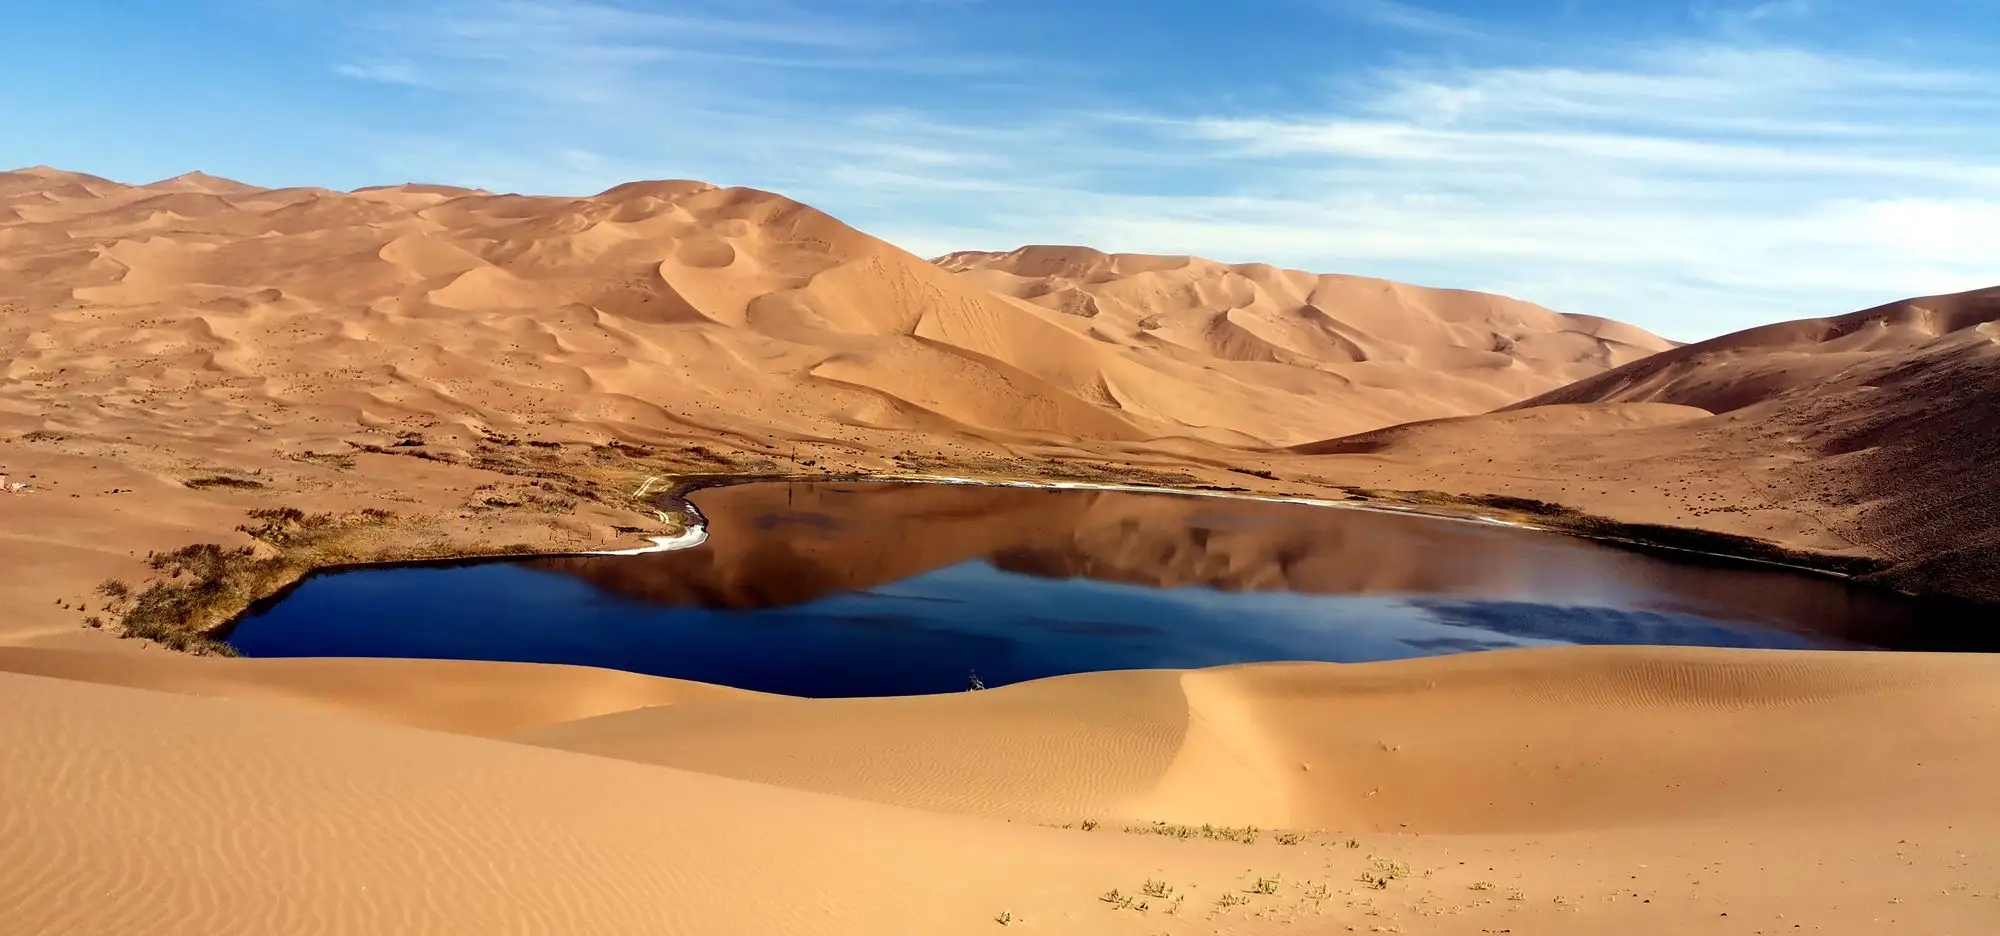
[(926, 633)]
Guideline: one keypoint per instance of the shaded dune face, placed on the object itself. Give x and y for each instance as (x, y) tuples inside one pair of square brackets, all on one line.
[(657, 303), (1660, 790), (1547, 740), (1389, 353), (782, 545), (1895, 414), (1749, 367)]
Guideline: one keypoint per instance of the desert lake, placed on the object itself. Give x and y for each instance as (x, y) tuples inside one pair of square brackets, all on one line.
[(859, 589)]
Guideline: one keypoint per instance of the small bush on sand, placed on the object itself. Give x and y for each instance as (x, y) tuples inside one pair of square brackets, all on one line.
[(1246, 835), (205, 584)]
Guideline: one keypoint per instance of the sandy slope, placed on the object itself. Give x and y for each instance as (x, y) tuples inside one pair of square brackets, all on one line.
[(1366, 351), (187, 351), (488, 699), (1873, 433), (664, 303), (1640, 791), (267, 342)]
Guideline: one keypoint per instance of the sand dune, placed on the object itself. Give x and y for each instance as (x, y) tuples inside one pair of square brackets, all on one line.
[(1697, 782), (1870, 434), (269, 344), (1749, 367), (487, 699), (425, 370), (1374, 351), (710, 304), (1412, 745)]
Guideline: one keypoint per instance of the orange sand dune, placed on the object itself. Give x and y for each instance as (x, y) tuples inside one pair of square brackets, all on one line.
[(1871, 434), (705, 304), (319, 377), (270, 343), (1566, 791), (1368, 351), (489, 699), (1749, 367)]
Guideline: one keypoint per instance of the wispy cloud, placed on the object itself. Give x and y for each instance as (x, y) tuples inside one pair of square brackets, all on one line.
[(1742, 18), (1409, 17), (1692, 187), (599, 51), (382, 72)]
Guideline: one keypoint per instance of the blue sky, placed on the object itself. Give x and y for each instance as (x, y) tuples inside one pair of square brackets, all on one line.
[(1692, 167)]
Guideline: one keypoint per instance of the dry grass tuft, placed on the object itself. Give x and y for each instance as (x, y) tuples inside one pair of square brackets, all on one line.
[(200, 588), (223, 481), (1246, 835)]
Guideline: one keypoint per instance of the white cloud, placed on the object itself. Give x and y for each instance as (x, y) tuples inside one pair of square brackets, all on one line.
[(382, 72), (1691, 188), (1408, 17), (1740, 20)]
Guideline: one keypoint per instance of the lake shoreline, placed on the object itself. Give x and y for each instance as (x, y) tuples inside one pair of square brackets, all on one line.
[(665, 493)]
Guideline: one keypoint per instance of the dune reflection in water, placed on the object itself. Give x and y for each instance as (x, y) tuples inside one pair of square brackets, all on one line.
[(874, 589)]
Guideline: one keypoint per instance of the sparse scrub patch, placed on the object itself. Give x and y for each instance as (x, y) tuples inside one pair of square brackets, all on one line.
[(1246, 835), (1383, 870), (205, 585), (223, 481), (201, 587), (1567, 519), (335, 460)]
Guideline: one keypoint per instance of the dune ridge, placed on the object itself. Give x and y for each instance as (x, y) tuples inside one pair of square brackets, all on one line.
[(715, 303), (1694, 779), (492, 367), (315, 376), (1868, 434)]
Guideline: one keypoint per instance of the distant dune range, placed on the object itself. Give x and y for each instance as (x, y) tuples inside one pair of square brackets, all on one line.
[(428, 371), (1875, 433), (660, 303)]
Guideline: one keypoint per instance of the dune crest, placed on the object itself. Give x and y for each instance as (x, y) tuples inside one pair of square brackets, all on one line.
[(1692, 781), (809, 316), (1388, 353), (1871, 434)]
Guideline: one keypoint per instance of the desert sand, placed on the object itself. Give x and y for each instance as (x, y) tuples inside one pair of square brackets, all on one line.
[(1871, 434), (430, 371), (1567, 791)]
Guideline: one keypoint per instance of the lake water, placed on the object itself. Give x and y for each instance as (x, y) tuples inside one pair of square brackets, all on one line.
[(850, 589)]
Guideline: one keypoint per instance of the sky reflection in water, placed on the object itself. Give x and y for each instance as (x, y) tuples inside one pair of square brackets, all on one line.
[(824, 590)]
